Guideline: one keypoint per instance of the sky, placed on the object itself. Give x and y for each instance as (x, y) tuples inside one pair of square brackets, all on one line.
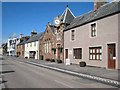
[(24, 17)]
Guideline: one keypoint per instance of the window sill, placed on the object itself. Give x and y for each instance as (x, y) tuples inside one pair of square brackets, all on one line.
[(94, 60)]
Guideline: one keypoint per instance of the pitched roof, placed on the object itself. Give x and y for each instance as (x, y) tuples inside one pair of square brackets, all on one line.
[(35, 37), (24, 40), (104, 11), (52, 28), (22, 43), (67, 16)]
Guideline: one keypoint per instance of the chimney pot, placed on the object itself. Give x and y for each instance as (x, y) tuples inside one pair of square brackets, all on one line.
[(98, 4)]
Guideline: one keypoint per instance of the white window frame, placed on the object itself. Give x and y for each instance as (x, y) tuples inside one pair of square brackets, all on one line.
[(90, 31)]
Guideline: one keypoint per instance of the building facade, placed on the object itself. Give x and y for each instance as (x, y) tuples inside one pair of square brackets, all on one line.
[(1, 51), (32, 46), (52, 42), (60, 23), (94, 38), (21, 46), (11, 46), (48, 43)]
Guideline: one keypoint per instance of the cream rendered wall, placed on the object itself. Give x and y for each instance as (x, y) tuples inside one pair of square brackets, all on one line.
[(107, 33), (33, 48)]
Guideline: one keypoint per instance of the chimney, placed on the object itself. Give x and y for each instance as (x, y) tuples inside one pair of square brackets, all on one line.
[(33, 33), (49, 23), (26, 38), (21, 35), (98, 3)]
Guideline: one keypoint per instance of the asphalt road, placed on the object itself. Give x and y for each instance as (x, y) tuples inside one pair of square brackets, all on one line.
[(18, 74)]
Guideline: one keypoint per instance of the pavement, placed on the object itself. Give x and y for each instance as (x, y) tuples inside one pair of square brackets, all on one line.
[(19, 74), (99, 74)]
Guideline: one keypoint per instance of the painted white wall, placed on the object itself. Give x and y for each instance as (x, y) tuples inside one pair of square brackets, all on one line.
[(12, 46), (1, 50), (32, 48)]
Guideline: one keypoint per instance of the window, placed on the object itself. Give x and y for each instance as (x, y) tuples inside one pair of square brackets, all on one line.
[(95, 53), (77, 53), (93, 30), (45, 46), (31, 44), (34, 43), (73, 35), (49, 47)]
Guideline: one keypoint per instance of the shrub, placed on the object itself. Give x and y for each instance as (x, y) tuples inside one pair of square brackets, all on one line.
[(82, 64), (26, 57), (47, 59), (59, 61), (41, 57), (52, 60)]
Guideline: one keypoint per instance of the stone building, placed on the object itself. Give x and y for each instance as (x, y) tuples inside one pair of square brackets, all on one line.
[(52, 42)]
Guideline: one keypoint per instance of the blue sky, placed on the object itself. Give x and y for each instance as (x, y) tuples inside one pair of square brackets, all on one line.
[(21, 17)]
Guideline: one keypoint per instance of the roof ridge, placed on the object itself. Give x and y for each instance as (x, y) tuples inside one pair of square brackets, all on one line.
[(95, 15)]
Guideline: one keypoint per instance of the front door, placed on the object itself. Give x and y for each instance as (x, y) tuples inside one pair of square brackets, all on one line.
[(58, 51), (111, 56)]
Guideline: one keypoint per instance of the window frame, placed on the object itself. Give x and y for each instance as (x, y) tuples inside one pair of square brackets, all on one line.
[(95, 53), (93, 28), (77, 54)]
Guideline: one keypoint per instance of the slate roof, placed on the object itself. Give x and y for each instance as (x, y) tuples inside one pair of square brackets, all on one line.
[(67, 16), (24, 41), (35, 38), (105, 10), (52, 28)]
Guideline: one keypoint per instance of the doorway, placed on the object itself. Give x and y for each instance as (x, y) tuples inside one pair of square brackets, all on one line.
[(66, 53), (111, 56)]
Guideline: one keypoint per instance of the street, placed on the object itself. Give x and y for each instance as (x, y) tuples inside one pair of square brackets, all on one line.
[(17, 74)]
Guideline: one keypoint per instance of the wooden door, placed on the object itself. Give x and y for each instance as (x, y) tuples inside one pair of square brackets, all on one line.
[(111, 56), (58, 51)]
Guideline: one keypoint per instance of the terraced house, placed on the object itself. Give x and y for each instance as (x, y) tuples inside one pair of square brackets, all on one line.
[(95, 37), (32, 46), (11, 45), (52, 42), (21, 45)]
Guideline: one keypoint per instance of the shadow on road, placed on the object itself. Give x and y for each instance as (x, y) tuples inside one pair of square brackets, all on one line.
[(3, 81), (6, 72), (6, 64)]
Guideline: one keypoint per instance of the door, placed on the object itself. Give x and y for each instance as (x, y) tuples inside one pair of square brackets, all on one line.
[(111, 56), (58, 51), (66, 53)]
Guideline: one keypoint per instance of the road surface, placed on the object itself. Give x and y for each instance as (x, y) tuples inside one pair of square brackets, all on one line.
[(18, 74)]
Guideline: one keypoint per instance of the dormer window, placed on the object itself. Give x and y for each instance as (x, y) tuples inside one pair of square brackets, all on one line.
[(93, 30)]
